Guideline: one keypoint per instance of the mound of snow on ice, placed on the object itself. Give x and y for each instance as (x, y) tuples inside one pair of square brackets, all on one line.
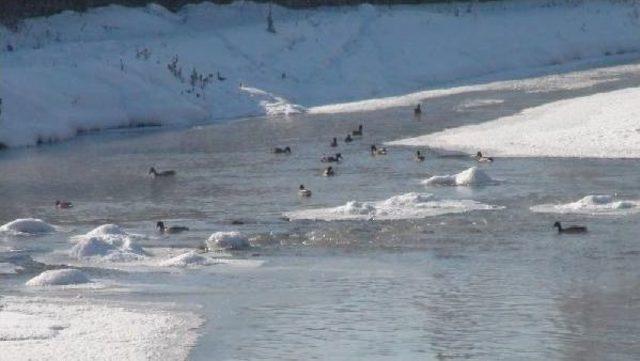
[(112, 66), (59, 277), (27, 226), (404, 206), (108, 242), (470, 177), (35, 328), (189, 259), (228, 240), (603, 125), (592, 204)]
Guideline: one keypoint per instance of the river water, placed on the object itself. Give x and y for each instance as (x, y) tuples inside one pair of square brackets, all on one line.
[(481, 285)]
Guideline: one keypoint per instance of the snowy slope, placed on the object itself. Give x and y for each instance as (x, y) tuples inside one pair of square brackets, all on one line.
[(72, 72), (603, 125)]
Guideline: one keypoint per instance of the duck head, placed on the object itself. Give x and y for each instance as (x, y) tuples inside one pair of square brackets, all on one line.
[(160, 226), (152, 170)]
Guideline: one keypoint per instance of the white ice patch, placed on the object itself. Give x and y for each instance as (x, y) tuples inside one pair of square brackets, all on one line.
[(27, 226), (470, 177), (59, 277), (189, 259), (273, 104), (592, 204), (478, 103), (405, 206), (109, 243), (72, 329), (228, 240), (603, 125)]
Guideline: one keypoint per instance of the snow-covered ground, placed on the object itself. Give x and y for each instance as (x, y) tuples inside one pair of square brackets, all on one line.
[(603, 125), (35, 328), (110, 67)]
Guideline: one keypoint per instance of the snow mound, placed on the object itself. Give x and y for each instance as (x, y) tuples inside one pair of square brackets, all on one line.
[(404, 206), (470, 177), (592, 204), (27, 226), (108, 242), (59, 277), (191, 258), (228, 240)]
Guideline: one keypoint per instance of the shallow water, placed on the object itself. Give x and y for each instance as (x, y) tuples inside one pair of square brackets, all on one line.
[(482, 285)]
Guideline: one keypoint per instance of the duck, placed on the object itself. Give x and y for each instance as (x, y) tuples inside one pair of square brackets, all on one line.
[(378, 151), (482, 159), (357, 132), (419, 157), (331, 159), (334, 142), (571, 229), (329, 172), (166, 173), (63, 205), (348, 139), (303, 192), (417, 110), (221, 78), (284, 150), (170, 230)]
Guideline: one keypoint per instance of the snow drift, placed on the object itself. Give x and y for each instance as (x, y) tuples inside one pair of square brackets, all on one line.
[(27, 226), (59, 277), (470, 177), (404, 206), (116, 66), (592, 204)]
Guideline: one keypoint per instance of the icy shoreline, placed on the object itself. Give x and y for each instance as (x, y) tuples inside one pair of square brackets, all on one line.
[(111, 67)]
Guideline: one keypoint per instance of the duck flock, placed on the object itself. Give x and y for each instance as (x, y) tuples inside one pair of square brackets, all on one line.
[(328, 171)]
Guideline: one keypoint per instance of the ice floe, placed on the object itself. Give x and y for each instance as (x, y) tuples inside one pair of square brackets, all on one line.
[(27, 226), (228, 240), (592, 204), (108, 242), (470, 177), (188, 259), (404, 206), (59, 277)]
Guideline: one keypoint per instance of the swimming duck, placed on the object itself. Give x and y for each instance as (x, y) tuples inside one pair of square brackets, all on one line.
[(571, 229), (304, 192), (331, 159), (329, 172), (63, 205), (170, 230), (417, 110), (334, 142), (286, 149), (419, 157), (482, 159), (376, 151), (348, 139), (359, 131), (220, 77), (166, 173)]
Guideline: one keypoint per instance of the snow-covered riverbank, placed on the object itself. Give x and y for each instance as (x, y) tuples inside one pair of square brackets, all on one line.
[(118, 66)]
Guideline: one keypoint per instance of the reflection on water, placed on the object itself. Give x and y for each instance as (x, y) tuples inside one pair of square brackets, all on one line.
[(478, 285)]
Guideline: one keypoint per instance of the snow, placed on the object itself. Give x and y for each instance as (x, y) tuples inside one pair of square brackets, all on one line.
[(27, 226), (603, 125), (594, 205), (71, 73), (404, 206), (189, 259), (59, 277), (228, 240), (470, 177), (108, 242), (75, 329)]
